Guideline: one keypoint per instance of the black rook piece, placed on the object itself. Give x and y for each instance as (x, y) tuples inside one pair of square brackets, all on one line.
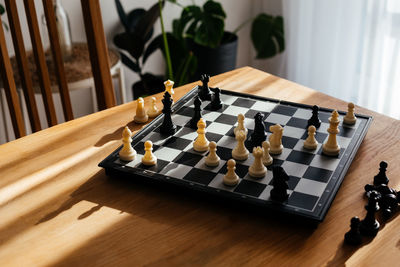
[(370, 226), (205, 93), (314, 120), (258, 136), (280, 183), (216, 103), (381, 178), (353, 237), (197, 113), (167, 127)]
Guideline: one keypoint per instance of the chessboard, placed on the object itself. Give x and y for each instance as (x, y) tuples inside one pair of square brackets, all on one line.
[(314, 177)]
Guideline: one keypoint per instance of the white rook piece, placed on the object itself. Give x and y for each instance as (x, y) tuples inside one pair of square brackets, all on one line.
[(331, 147), (231, 178), (311, 143), (240, 152), (240, 125), (350, 118), (141, 115), (127, 153), (267, 159), (257, 169), (275, 139), (201, 142), (212, 159), (153, 110)]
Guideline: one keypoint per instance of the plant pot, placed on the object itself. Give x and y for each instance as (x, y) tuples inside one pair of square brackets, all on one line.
[(214, 61)]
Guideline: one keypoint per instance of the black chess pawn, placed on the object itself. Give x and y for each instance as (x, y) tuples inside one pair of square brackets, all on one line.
[(370, 226), (388, 204), (314, 120), (381, 178), (216, 102), (353, 237), (205, 93), (197, 113), (280, 184), (258, 136), (167, 127)]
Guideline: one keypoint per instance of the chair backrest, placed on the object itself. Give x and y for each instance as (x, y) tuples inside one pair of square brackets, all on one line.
[(98, 56)]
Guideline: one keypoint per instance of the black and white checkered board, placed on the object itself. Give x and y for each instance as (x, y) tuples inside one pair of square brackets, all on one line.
[(314, 177)]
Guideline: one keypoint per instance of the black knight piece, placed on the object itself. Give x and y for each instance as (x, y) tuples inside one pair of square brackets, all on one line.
[(197, 113), (314, 120), (205, 93), (381, 177), (353, 237), (280, 183), (167, 127), (216, 103), (370, 226), (388, 201), (258, 136)]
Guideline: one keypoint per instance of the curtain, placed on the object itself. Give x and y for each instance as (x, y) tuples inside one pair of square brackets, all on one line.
[(346, 49)]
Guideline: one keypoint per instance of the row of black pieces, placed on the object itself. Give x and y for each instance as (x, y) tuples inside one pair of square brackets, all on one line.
[(380, 197)]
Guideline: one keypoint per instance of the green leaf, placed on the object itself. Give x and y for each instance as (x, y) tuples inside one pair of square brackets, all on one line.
[(156, 43), (129, 63), (121, 13), (267, 35), (214, 9), (145, 24), (130, 42), (210, 32)]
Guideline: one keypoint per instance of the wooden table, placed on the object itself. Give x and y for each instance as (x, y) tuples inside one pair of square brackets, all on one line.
[(58, 208)]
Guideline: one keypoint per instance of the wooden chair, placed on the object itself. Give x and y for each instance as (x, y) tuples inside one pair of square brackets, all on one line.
[(98, 56)]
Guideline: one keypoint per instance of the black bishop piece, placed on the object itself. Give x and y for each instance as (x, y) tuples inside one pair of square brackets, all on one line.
[(197, 113), (167, 127), (314, 120), (205, 93)]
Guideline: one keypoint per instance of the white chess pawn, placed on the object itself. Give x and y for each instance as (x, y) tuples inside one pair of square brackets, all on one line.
[(212, 159), (311, 143), (257, 169), (231, 178), (153, 110), (201, 142), (350, 118), (275, 139), (240, 152), (240, 125), (331, 147), (127, 153), (141, 115), (267, 159), (149, 158)]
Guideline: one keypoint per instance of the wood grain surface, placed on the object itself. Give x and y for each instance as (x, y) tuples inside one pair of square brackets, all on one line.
[(58, 208)]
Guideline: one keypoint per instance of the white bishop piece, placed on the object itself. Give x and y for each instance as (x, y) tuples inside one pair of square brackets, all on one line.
[(201, 142), (127, 153), (240, 126)]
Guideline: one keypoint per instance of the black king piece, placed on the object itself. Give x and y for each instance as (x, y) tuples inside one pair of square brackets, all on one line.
[(167, 127)]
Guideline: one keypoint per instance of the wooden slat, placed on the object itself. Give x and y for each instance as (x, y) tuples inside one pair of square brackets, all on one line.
[(57, 58), (41, 66), (20, 56), (10, 88), (98, 53)]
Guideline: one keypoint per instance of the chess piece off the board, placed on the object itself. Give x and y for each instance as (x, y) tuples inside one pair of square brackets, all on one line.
[(267, 159), (257, 169), (353, 237), (201, 142), (127, 153), (240, 125), (212, 159), (258, 135), (231, 178), (311, 143), (275, 139), (153, 111), (370, 226), (331, 146), (314, 120), (280, 183), (381, 177), (197, 113), (149, 158), (350, 118), (141, 115), (167, 127), (240, 152)]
